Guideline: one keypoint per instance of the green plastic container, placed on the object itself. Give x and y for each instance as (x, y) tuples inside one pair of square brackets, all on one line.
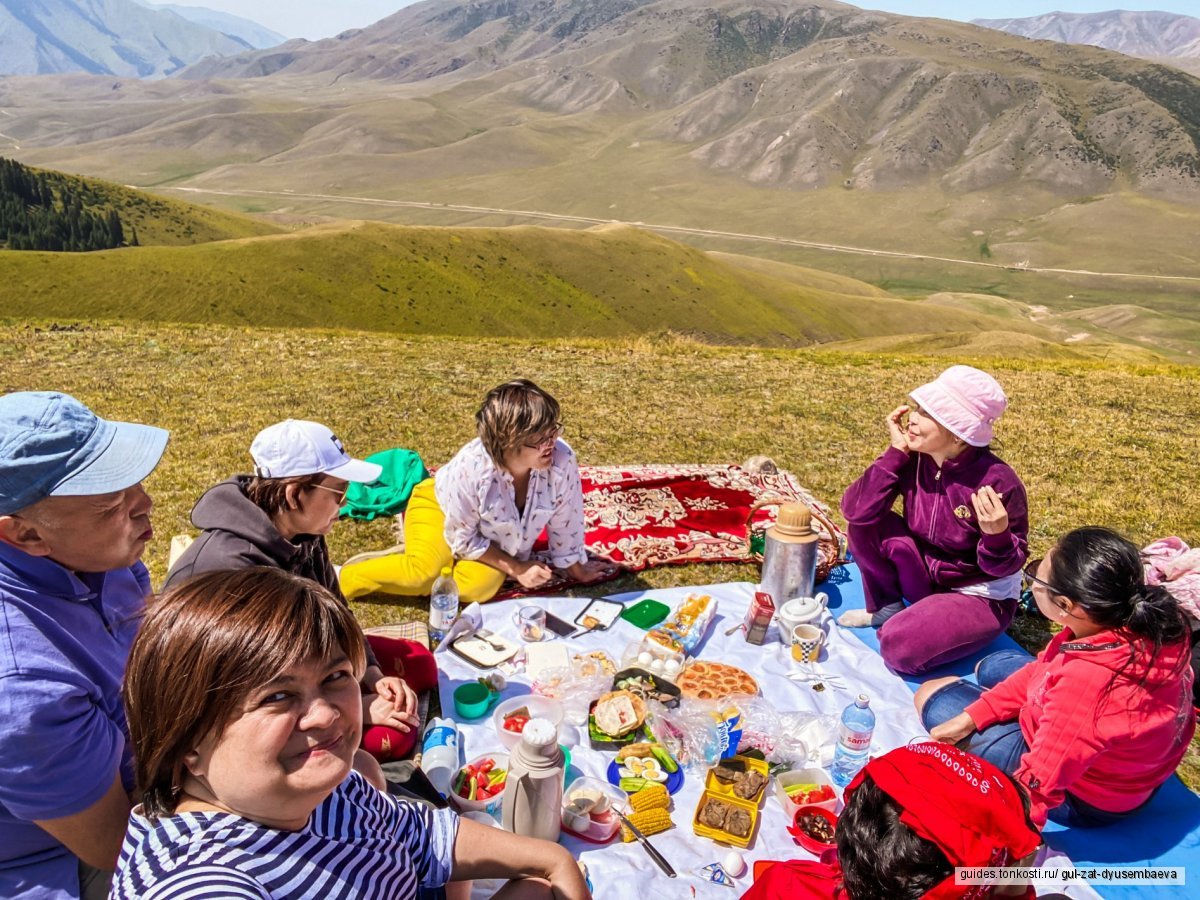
[(645, 613)]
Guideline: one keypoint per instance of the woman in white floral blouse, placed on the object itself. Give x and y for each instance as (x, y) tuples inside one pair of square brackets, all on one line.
[(487, 507)]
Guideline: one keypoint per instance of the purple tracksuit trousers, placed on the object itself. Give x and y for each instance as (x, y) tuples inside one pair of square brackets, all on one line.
[(934, 548)]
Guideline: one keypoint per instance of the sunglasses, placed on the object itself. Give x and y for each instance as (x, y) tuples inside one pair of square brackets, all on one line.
[(548, 439), (341, 492)]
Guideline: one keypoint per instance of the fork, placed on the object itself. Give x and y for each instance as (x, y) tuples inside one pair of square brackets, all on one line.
[(487, 637)]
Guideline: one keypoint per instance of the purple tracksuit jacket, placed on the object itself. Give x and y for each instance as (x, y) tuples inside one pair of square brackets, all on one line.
[(939, 513)]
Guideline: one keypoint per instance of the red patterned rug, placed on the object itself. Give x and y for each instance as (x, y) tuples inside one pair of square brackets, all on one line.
[(643, 516)]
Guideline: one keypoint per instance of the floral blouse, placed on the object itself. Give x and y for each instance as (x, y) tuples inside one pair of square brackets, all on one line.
[(480, 505)]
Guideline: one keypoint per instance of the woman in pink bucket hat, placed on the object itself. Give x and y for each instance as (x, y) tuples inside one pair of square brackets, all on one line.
[(941, 580)]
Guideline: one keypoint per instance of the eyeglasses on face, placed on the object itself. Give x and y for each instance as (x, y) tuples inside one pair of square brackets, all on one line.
[(341, 492), (548, 439), (1031, 574)]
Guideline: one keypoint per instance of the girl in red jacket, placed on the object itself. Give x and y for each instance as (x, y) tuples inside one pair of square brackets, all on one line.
[(1103, 716)]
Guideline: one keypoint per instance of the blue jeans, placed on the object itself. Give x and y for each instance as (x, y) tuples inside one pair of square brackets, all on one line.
[(1002, 744)]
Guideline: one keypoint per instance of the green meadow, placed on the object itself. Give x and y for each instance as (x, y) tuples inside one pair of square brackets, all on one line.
[(1095, 443)]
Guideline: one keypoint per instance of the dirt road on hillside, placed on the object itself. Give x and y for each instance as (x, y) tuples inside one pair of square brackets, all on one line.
[(677, 229)]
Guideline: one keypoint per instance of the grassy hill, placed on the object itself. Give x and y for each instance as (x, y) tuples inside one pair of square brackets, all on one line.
[(609, 281), (158, 220)]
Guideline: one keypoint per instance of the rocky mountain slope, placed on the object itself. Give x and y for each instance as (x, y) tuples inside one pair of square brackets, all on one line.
[(103, 37), (789, 118), (254, 35), (790, 93), (1151, 35)]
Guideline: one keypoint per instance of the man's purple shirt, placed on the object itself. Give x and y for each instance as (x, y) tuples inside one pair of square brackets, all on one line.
[(64, 641)]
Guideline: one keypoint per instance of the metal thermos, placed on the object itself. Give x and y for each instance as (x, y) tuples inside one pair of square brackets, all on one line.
[(790, 555)]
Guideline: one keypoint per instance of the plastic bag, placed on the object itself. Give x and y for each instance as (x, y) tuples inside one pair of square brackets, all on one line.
[(574, 687), (701, 732)]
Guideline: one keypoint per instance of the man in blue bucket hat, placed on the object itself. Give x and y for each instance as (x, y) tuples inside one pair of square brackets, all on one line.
[(74, 521)]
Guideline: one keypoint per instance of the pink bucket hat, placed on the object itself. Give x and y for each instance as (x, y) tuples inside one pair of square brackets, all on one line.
[(964, 401)]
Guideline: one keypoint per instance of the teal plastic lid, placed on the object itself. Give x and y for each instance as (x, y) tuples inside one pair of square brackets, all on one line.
[(645, 613)]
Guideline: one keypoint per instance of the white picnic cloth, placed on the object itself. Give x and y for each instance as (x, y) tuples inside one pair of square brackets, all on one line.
[(616, 866)]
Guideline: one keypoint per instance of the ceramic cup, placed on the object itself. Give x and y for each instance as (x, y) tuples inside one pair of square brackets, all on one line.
[(531, 621), (806, 643), (801, 611)]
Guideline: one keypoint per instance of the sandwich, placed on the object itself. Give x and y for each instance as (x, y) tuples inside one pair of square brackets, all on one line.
[(618, 713)]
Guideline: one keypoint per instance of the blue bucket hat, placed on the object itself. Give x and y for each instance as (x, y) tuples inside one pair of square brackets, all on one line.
[(51, 445)]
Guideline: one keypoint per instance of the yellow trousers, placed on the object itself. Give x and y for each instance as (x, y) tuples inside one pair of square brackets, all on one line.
[(426, 553)]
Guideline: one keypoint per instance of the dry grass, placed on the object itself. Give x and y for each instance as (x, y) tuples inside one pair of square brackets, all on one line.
[(1095, 444)]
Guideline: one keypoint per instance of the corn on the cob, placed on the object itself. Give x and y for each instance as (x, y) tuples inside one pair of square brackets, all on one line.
[(653, 797), (647, 821)]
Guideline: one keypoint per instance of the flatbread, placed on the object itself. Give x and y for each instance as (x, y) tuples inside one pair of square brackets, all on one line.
[(715, 681), (618, 713)]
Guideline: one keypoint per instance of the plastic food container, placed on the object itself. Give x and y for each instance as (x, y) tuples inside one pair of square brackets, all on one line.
[(599, 823), (647, 685), (809, 843), (539, 708), (690, 622), (491, 806), (715, 786), (804, 776), (654, 658), (719, 834), (645, 614)]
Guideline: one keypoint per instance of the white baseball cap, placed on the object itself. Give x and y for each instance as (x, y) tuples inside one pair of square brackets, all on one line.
[(296, 447)]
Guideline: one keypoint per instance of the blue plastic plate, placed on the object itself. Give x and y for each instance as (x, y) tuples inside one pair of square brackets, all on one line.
[(673, 783)]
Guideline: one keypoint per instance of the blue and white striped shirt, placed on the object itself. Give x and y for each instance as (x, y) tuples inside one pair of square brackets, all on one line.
[(359, 843)]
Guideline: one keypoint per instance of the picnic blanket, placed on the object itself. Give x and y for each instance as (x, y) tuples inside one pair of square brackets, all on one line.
[(1176, 812), (655, 515)]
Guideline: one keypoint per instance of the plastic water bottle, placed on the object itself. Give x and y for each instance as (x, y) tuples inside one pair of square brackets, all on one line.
[(440, 758), (854, 740), (443, 606)]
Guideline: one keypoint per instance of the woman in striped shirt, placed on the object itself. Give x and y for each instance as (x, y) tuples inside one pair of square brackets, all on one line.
[(244, 712)]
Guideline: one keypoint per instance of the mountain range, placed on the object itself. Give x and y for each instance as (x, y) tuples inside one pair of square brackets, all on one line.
[(114, 37), (789, 94), (800, 118), (251, 32), (1163, 36)]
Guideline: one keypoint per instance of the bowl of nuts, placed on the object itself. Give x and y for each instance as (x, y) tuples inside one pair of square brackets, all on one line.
[(814, 828)]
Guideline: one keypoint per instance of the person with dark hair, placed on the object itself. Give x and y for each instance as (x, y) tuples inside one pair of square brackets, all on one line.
[(488, 505), (941, 579), (242, 699), (279, 517), (1103, 716), (911, 816)]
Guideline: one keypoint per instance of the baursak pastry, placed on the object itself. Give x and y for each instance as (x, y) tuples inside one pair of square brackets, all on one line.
[(715, 681)]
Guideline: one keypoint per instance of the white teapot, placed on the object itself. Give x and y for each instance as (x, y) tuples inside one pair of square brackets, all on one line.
[(801, 611)]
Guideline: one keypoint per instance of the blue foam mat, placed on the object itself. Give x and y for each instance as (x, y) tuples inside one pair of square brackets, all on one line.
[(1166, 833)]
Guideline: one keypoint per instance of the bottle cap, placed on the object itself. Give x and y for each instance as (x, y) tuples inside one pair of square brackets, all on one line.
[(539, 733), (794, 523), (446, 572), (862, 701)]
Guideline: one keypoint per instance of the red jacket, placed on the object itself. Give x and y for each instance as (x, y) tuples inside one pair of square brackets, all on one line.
[(1108, 735)]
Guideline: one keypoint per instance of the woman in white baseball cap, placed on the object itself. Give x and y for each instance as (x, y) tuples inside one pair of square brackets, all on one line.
[(279, 517)]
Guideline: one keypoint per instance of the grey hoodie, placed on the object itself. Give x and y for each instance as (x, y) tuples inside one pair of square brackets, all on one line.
[(237, 533)]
